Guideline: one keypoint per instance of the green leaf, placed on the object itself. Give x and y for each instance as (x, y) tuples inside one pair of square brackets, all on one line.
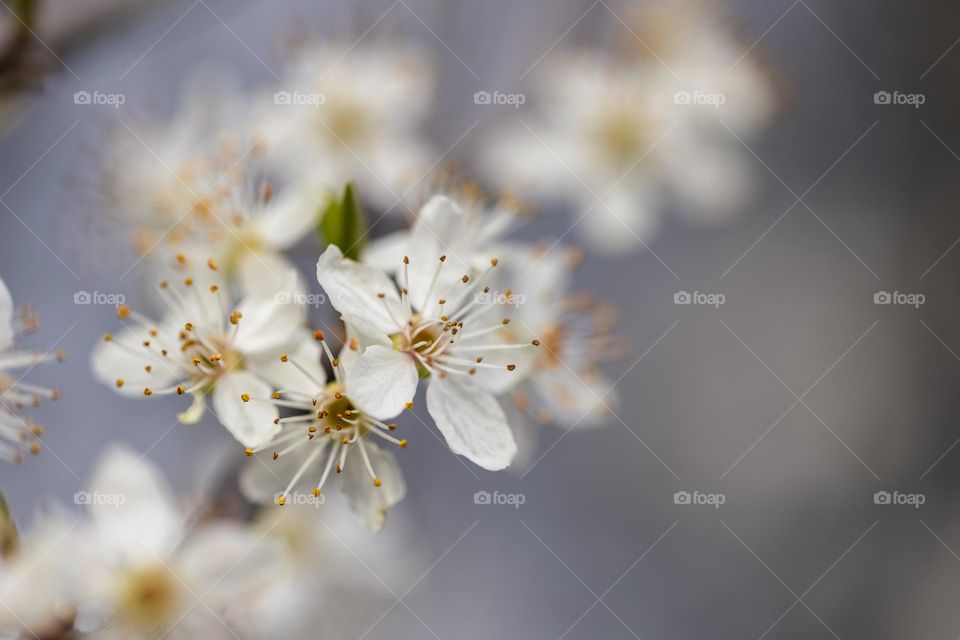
[(9, 538), (344, 225)]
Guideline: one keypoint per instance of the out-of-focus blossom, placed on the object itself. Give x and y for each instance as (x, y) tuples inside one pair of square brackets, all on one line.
[(565, 385), (40, 580), (441, 324), (17, 435), (204, 346), (626, 133), (196, 184), (147, 572), (353, 113), (697, 51), (329, 430)]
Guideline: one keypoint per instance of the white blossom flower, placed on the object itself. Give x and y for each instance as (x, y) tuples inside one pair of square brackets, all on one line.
[(329, 430), (350, 113), (17, 435), (205, 347), (40, 580), (565, 385), (148, 572), (611, 141), (196, 185), (694, 50), (439, 324)]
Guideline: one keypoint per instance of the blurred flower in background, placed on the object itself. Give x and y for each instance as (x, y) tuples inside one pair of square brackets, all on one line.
[(623, 133)]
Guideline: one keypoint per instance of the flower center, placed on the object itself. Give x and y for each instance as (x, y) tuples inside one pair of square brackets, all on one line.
[(149, 596), (422, 341), (620, 135)]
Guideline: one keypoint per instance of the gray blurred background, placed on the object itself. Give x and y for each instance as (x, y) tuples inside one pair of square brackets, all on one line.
[(599, 549)]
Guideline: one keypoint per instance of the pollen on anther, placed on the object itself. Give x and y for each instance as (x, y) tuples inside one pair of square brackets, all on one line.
[(406, 260), (235, 317), (123, 311), (119, 382), (511, 367), (318, 335), (212, 264), (245, 397), (147, 391), (316, 492), (409, 405), (248, 452), (377, 482), (493, 262), (403, 443), (284, 358), (465, 279), (535, 343), (181, 390), (275, 395), (188, 282), (107, 337), (281, 500)]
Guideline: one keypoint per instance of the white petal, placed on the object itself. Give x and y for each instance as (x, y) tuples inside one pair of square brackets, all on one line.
[(386, 252), (353, 287), (225, 562), (124, 358), (262, 478), (6, 317), (290, 216), (382, 381), (367, 500), (266, 274), (131, 506), (580, 400), (288, 377), (269, 321), (251, 423), (472, 422), (367, 333)]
